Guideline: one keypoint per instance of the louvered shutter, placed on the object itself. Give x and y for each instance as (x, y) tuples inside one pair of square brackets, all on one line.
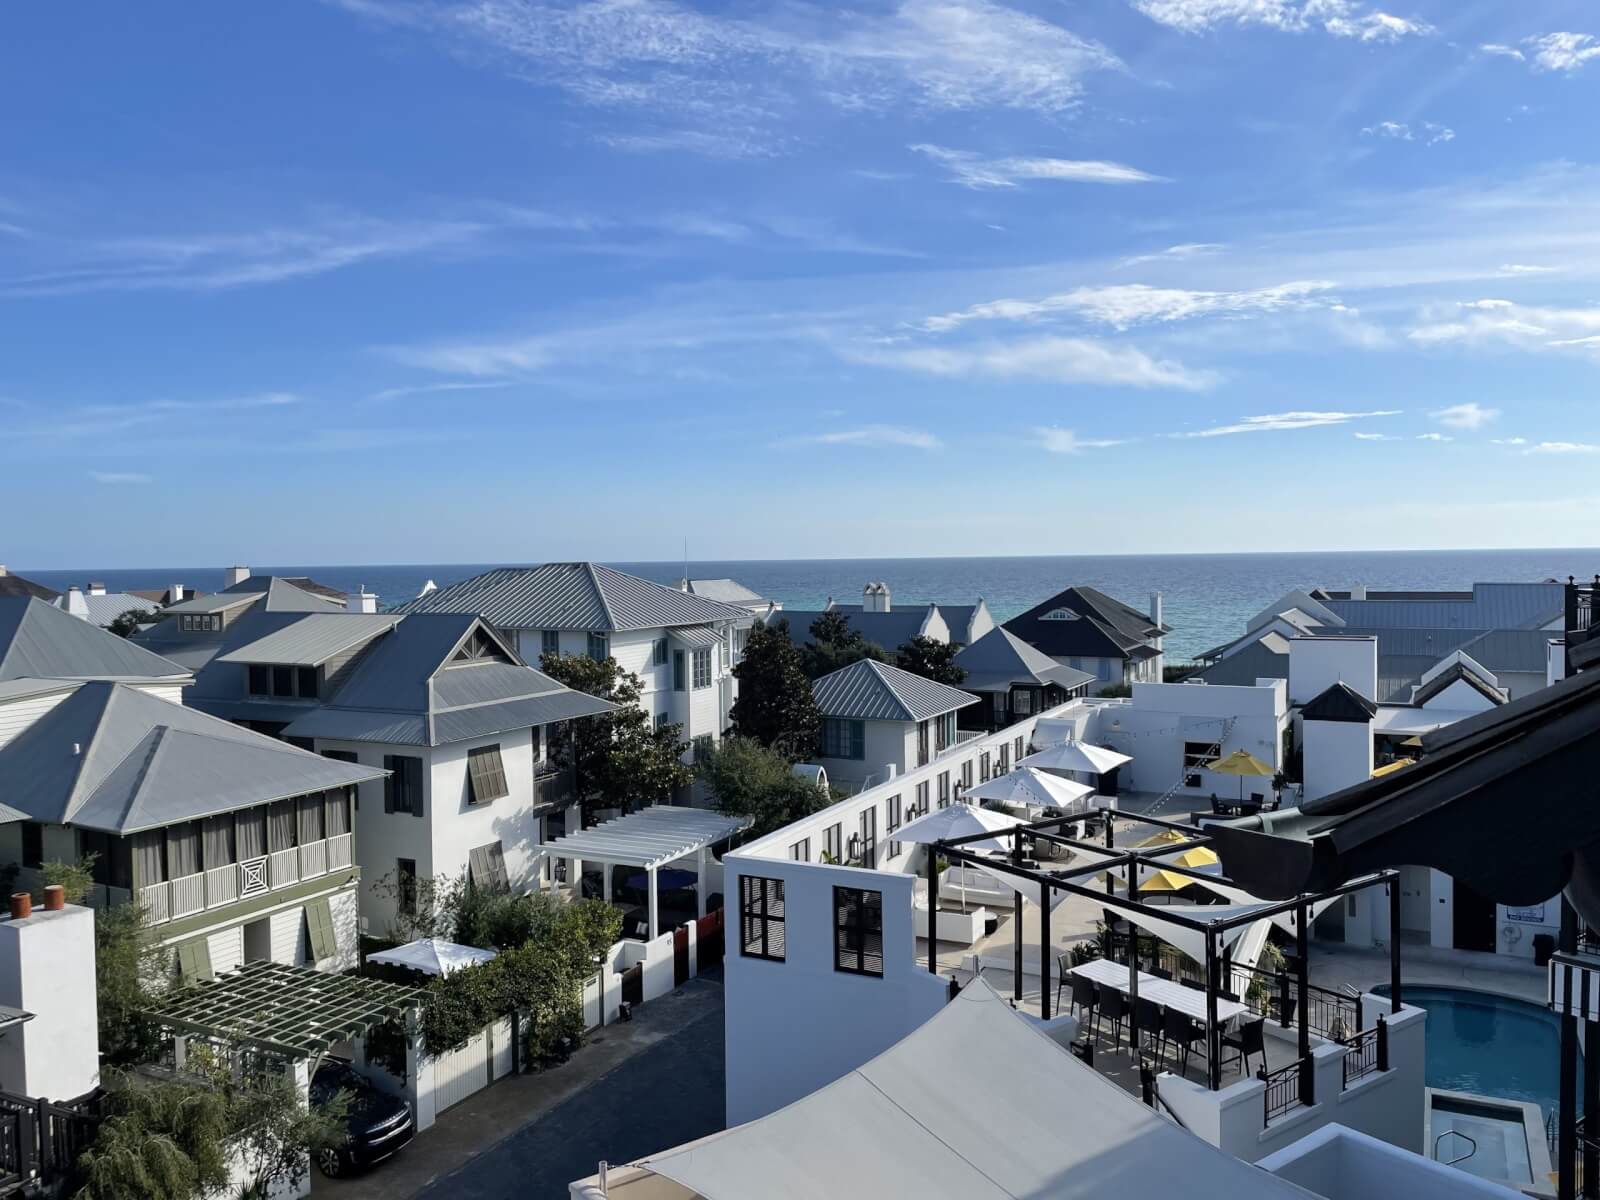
[(497, 866), (319, 927), (194, 960), (486, 774), (478, 866)]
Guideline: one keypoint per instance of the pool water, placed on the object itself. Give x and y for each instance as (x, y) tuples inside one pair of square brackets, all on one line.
[(1491, 1045), (1493, 1142)]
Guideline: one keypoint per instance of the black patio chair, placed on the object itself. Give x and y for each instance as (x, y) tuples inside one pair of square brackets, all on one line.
[(1064, 976), (1114, 1008), (1247, 1040), (1179, 1029), (1147, 1019), (1085, 999)]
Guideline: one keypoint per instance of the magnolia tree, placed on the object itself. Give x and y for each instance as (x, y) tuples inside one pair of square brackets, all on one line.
[(775, 705)]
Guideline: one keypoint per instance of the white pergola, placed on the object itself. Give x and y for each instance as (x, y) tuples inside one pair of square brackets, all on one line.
[(649, 840)]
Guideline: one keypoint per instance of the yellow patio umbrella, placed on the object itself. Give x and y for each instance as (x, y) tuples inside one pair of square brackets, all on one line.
[(1241, 763), (1195, 858)]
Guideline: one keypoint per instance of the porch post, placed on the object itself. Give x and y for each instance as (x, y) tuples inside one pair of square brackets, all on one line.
[(1044, 950), (700, 882), (933, 909), (655, 905), (1016, 926), (1111, 882), (1302, 950), (1591, 1109), (1394, 944), (1567, 1136), (605, 882), (1213, 1035), (1133, 959)]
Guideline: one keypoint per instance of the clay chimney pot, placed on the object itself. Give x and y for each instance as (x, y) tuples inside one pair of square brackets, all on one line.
[(21, 905), (55, 898)]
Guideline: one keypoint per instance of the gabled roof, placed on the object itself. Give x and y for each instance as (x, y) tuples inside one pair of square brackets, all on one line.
[(891, 629), (40, 641), (115, 758), (727, 591), (1457, 672), (1000, 660), (1340, 702), (275, 594), (108, 606), (874, 691), (411, 688), (16, 585), (1259, 660), (1102, 628), (573, 595), (313, 639)]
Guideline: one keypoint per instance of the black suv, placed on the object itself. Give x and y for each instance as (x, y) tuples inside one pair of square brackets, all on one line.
[(376, 1125)]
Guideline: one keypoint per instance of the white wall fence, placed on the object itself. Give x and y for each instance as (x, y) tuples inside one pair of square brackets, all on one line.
[(641, 971)]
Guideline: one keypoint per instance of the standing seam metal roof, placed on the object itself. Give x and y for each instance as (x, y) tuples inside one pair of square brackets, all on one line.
[(313, 639), (873, 691), (574, 595), (38, 640)]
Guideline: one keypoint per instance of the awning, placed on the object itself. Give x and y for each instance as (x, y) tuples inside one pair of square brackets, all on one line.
[(432, 956), (937, 1117), (294, 1011), (651, 837)]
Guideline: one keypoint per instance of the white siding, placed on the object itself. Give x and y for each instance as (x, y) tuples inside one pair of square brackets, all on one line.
[(289, 936), (227, 948), (19, 714)]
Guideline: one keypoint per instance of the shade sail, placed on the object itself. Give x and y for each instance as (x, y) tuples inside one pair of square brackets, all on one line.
[(959, 820), (432, 956), (1028, 889), (1031, 788), (1076, 756), (937, 1117)]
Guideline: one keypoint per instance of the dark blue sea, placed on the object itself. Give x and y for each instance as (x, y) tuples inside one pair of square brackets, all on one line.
[(1207, 596)]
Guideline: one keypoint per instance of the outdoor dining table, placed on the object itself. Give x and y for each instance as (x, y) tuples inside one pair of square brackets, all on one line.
[(1166, 993)]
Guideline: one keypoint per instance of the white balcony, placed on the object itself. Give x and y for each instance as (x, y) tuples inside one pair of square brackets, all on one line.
[(221, 886)]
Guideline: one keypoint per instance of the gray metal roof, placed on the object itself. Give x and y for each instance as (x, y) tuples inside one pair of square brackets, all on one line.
[(1492, 606), (874, 691), (40, 641), (726, 591), (573, 595), (313, 639), (1000, 659), (114, 758), (408, 690), (1243, 667), (107, 607), (275, 594), (696, 638), (891, 629)]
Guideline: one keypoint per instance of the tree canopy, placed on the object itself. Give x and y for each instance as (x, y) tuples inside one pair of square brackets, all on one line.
[(835, 644), (747, 779), (932, 660), (621, 759), (126, 624), (775, 705)]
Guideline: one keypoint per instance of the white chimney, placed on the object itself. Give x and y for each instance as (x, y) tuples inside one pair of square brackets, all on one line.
[(75, 603), (1358, 591), (177, 593), (97, 589), (1336, 749), (875, 597), (233, 575), (430, 586), (2, 570), (47, 968), (363, 601)]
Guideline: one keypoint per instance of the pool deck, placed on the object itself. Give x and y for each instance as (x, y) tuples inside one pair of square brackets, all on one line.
[(1334, 965)]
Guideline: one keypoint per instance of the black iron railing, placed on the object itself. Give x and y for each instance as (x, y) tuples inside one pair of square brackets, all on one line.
[(1276, 994), (1367, 1052), (40, 1140), (1287, 1088), (1582, 601)]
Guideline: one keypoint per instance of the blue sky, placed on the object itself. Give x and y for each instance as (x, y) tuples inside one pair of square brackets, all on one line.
[(383, 281)]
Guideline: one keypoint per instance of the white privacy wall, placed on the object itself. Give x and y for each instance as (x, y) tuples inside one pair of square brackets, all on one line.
[(1159, 718), (1317, 663)]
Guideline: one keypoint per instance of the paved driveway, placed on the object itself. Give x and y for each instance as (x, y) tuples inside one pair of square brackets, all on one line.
[(634, 1089)]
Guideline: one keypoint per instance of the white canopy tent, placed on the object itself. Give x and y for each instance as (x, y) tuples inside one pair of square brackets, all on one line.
[(432, 956), (1028, 787), (937, 1117), (649, 840)]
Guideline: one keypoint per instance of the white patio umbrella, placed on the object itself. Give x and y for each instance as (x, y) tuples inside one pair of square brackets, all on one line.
[(1076, 756), (1031, 787), (959, 820), (433, 956)]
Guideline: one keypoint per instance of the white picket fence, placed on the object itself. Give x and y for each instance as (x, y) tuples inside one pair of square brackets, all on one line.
[(472, 1066)]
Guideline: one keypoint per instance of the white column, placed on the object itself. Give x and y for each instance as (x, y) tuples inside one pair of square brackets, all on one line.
[(605, 881), (655, 907), (700, 882)]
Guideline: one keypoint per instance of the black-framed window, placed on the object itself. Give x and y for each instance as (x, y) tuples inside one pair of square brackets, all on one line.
[(1005, 758), (1000, 711), (922, 798), (944, 788), (1197, 754), (1019, 747), (922, 743), (405, 874), (983, 767), (833, 842), (869, 838), (702, 668), (402, 790), (944, 731), (761, 917), (486, 774), (966, 774), (843, 739), (550, 641), (32, 844), (680, 677), (858, 931), (599, 647), (1022, 702), (801, 850), (891, 822), (658, 654)]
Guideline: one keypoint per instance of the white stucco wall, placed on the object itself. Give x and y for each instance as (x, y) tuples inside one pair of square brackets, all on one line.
[(1342, 1164), (887, 744), (1160, 717), (1317, 663), (1335, 755), (456, 826), (384, 838), (47, 969)]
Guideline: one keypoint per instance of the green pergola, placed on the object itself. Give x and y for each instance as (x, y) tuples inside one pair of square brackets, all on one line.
[(293, 1011)]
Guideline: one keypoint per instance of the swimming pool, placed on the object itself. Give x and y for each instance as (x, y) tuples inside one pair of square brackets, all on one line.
[(1491, 1045)]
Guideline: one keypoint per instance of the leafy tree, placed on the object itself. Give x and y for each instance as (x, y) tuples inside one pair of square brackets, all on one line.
[(835, 644), (128, 970), (425, 907), (621, 759), (75, 879), (932, 660), (775, 704), (126, 624), (749, 780)]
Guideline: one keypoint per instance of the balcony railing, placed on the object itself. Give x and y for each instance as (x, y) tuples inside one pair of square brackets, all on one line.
[(554, 786), (1366, 1053), (1287, 1089), (219, 886)]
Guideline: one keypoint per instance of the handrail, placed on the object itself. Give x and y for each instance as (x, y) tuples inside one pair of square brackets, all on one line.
[(1462, 1158)]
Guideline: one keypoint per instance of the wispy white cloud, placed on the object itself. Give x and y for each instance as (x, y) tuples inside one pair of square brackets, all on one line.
[(1125, 305), (426, 389), (1525, 269), (1563, 51), (1185, 250), (871, 436), (1431, 134), (1434, 437), (1499, 321), (1057, 359), (979, 173), (1470, 415), (120, 477), (1375, 437), (1510, 441), (1495, 48), (1059, 440), (1563, 448), (1341, 18), (1279, 422)]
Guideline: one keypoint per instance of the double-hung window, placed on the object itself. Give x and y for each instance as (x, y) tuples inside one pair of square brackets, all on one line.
[(402, 790), (599, 647), (658, 654), (858, 931), (869, 838), (486, 775), (890, 824), (843, 738), (944, 788), (922, 798), (761, 917), (702, 668), (550, 642), (1022, 702), (833, 842)]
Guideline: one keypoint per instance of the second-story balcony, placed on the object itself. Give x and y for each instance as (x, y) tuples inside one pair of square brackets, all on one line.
[(553, 786), (173, 899)]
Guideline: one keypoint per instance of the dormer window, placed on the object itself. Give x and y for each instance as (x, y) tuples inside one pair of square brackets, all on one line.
[(481, 647), (200, 622), (283, 682), (1061, 614)]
